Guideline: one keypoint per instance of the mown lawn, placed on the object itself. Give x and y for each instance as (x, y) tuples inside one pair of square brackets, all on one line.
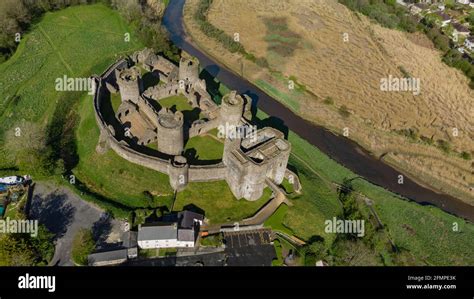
[(203, 148), (275, 221), (179, 102), (217, 202), (115, 100)]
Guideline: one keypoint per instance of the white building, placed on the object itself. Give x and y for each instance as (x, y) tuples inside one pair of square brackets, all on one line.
[(469, 43), (418, 8), (177, 230), (445, 19), (460, 30), (158, 236), (466, 2)]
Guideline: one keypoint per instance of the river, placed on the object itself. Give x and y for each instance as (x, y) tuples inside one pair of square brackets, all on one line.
[(339, 148)]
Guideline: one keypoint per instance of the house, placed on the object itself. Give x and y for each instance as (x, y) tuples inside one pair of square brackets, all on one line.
[(174, 230), (460, 30), (469, 43), (158, 236), (465, 2), (401, 2), (444, 18), (188, 219), (130, 242), (108, 258)]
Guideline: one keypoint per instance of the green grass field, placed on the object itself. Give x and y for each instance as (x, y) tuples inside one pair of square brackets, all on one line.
[(275, 221), (115, 100), (77, 41), (425, 231), (218, 202), (434, 241), (288, 98), (179, 102), (203, 148), (309, 211)]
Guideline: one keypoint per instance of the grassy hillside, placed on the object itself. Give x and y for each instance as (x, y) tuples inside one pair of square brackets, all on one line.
[(75, 42), (423, 234)]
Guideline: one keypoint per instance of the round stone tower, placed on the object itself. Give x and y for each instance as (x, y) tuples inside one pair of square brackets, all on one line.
[(188, 70), (130, 83), (170, 132), (178, 173), (231, 109)]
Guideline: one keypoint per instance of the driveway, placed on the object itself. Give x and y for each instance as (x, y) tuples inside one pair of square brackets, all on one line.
[(63, 212)]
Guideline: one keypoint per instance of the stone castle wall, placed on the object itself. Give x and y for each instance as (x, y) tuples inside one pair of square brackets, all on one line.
[(245, 176), (193, 173)]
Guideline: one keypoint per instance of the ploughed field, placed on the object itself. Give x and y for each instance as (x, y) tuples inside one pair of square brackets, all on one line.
[(337, 60)]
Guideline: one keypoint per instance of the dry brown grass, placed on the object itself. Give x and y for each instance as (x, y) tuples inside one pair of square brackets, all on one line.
[(350, 73)]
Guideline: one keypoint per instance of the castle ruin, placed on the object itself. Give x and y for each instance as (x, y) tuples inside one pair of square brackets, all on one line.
[(248, 161)]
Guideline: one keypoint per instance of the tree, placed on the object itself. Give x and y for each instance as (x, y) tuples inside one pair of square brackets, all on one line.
[(24, 250), (43, 245), (82, 245), (27, 148), (314, 252), (16, 251)]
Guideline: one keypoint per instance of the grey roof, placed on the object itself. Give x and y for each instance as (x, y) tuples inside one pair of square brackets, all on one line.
[(443, 16), (421, 5), (105, 256), (460, 27), (158, 232), (186, 235), (186, 218), (130, 239)]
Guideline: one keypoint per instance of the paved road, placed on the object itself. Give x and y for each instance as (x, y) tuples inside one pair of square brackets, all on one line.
[(63, 212)]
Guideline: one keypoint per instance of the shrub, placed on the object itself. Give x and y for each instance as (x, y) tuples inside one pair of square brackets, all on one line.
[(411, 133), (328, 101), (426, 140), (344, 111), (82, 245), (444, 146), (466, 156)]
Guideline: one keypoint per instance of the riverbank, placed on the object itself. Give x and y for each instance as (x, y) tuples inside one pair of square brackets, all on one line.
[(377, 122), (340, 149)]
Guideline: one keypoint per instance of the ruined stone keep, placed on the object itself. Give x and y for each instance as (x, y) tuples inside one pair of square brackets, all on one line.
[(249, 161)]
